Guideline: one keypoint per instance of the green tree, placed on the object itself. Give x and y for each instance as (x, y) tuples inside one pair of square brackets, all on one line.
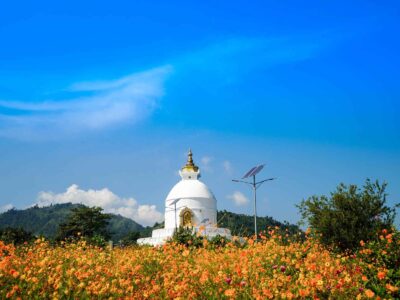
[(130, 239), (349, 215), (10, 235), (88, 222)]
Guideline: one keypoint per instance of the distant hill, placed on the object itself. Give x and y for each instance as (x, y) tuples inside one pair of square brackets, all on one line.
[(243, 225), (45, 220)]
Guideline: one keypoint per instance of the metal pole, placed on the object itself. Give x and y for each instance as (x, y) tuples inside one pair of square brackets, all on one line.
[(255, 205), (255, 185)]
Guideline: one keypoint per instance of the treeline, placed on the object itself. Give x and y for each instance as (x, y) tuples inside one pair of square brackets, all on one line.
[(243, 225)]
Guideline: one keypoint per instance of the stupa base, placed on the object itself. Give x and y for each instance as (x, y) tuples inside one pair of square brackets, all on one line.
[(161, 236)]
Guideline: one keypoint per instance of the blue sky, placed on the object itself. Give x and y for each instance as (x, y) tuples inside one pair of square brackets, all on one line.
[(110, 96)]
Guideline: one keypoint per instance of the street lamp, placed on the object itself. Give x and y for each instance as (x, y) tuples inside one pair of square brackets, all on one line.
[(255, 185)]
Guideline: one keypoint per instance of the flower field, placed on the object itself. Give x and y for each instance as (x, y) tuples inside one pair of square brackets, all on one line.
[(272, 268)]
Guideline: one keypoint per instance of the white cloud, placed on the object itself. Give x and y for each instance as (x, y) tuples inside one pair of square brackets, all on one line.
[(228, 167), (111, 203), (206, 163), (110, 103), (238, 198), (6, 207)]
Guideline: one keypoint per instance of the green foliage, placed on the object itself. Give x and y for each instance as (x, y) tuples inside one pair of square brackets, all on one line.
[(97, 240), (186, 236), (384, 254), (88, 222), (45, 221), (15, 236), (243, 225), (191, 239), (130, 239), (349, 215), (147, 231), (218, 241)]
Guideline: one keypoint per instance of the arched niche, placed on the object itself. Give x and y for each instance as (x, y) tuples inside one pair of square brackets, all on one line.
[(186, 217)]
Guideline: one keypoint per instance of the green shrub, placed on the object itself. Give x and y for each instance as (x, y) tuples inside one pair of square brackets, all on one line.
[(349, 215), (187, 236)]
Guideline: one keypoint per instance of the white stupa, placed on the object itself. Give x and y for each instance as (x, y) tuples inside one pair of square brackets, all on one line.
[(189, 204)]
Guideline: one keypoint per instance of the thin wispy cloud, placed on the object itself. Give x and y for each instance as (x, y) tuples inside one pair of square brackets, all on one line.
[(228, 167), (121, 101), (206, 163), (236, 55), (103, 104)]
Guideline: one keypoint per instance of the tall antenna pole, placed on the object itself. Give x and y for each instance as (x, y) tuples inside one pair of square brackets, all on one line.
[(255, 185)]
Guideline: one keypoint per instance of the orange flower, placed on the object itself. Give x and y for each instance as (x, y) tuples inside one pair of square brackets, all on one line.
[(369, 293), (381, 275), (362, 244), (230, 293), (14, 273), (304, 293), (391, 288)]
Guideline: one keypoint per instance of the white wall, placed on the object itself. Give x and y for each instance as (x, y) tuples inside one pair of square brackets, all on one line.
[(202, 208)]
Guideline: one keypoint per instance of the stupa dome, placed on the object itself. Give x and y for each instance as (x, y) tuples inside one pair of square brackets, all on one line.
[(190, 204), (190, 189)]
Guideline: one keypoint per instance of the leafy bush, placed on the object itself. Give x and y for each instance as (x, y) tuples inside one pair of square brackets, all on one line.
[(384, 254), (219, 241), (15, 236), (349, 215), (187, 236)]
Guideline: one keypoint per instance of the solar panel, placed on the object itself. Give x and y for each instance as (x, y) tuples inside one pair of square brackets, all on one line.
[(253, 171), (257, 170), (247, 174)]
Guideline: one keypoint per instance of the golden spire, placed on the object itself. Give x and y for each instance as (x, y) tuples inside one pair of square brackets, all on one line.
[(190, 166)]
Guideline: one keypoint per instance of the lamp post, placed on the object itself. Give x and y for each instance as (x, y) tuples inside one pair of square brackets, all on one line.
[(255, 185)]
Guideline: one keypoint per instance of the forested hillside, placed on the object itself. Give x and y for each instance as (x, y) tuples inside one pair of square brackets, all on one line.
[(45, 221), (243, 225)]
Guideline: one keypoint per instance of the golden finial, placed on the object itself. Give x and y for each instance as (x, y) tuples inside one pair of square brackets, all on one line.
[(190, 158), (190, 166)]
